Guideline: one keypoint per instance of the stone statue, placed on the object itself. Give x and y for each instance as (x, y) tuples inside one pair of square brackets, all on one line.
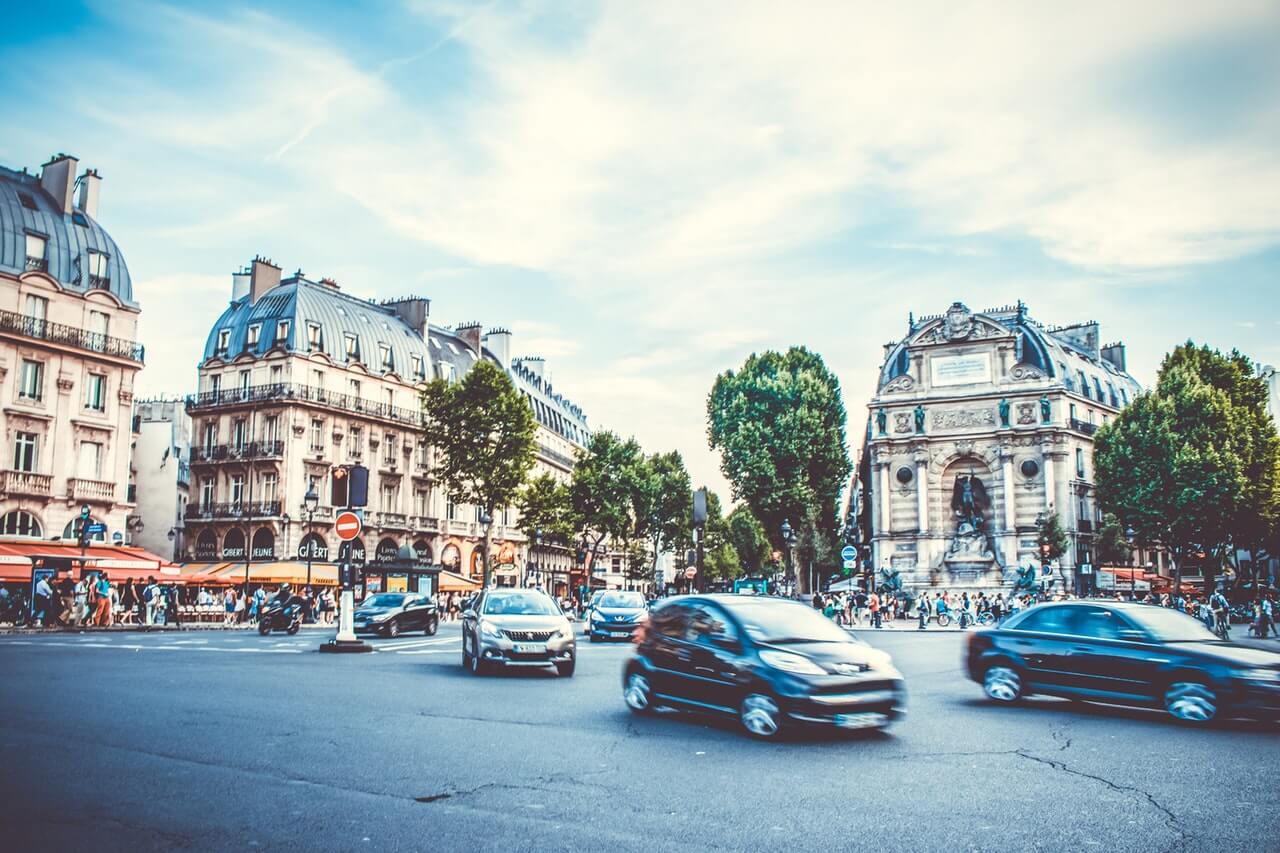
[(1004, 411), (920, 419), (892, 581), (882, 420), (1046, 410), (1026, 580), (969, 499)]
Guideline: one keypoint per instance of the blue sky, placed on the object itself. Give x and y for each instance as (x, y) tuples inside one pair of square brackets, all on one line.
[(645, 193)]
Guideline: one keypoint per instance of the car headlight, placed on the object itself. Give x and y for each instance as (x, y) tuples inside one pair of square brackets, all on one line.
[(788, 662), (564, 633), (1258, 674), (489, 629), (379, 617)]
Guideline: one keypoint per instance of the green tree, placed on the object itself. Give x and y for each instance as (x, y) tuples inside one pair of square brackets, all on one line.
[(1050, 537), (546, 510), (747, 538), (1111, 546), (662, 501), (603, 489), (484, 435), (719, 559), (779, 424)]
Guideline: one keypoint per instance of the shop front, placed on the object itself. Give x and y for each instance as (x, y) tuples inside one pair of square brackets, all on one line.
[(399, 570)]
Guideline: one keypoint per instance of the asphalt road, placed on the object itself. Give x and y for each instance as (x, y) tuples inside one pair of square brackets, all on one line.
[(225, 740)]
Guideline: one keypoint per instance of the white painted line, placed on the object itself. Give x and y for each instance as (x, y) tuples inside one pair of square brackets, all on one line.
[(429, 652), (407, 644)]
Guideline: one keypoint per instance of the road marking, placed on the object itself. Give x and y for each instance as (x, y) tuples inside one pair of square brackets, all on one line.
[(407, 644), (429, 652)]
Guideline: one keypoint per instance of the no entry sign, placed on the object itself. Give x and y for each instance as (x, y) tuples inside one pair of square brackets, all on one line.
[(347, 526)]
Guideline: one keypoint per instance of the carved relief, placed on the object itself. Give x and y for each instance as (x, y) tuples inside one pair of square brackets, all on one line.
[(1026, 413), (902, 383), (963, 418), (902, 422), (1021, 372), (65, 384)]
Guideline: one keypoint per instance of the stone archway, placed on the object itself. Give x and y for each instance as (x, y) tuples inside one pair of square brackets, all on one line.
[(972, 497)]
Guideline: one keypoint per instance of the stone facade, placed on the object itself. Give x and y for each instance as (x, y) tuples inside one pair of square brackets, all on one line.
[(980, 423)]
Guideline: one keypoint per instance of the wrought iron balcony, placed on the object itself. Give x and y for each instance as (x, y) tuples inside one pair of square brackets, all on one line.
[(397, 520), (60, 333), (1084, 525), (237, 452), (99, 282), (37, 264), (26, 483), (91, 490), (291, 392), (1083, 426), (555, 456), (234, 510)]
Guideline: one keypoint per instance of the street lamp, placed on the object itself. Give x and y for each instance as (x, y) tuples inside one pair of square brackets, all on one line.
[(485, 520), (789, 539), (309, 503), (532, 573), (1128, 536)]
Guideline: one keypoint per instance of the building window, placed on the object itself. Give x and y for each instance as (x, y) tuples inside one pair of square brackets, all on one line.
[(95, 395), (1080, 462), (277, 374), (89, 465), (206, 493), (352, 345), (389, 449), (384, 356), (390, 497), (251, 340), (32, 387), (24, 452), (268, 487), (419, 371), (1084, 383), (20, 523), (1097, 386), (35, 252), (37, 307), (100, 324), (238, 432), (353, 387), (314, 341), (1072, 410), (450, 511), (1091, 416), (97, 265), (1124, 396), (282, 332), (356, 447), (317, 379), (215, 384), (224, 341), (244, 380), (420, 502), (271, 428), (424, 454), (317, 434), (210, 435), (391, 399), (237, 489)]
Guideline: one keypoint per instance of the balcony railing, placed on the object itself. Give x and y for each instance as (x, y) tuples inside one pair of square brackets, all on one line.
[(233, 452), (1084, 525), (37, 264), (184, 474), (425, 524), (394, 519), (288, 391), (91, 490), (1083, 426), (555, 456), (99, 282), (26, 483), (44, 330), (255, 509)]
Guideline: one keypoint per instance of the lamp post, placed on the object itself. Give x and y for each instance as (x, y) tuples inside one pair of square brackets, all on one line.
[(1128, 537), (485, 520), (532, 572), (789, 539), (309, 503)]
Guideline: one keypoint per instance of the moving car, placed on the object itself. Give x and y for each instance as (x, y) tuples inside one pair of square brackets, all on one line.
[(769, 662), (614, 614), (391, 613), (516, 627), (1125, 653)]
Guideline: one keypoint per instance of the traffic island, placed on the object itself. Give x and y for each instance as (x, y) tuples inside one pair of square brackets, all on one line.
[(336, 646)]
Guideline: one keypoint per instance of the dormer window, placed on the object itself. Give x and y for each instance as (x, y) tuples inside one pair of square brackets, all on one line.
[(384, 356), (313, 337), (255, 331), (36, 246), (352, 346), (99, 278), (27, 201), (282, 332), (1084, 383), (419, 372), (224, 341)]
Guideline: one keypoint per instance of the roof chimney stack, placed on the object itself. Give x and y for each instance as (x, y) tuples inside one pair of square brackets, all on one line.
[(1114, 353), (90, 184), (239, 285), (498, 342), (263, 276), (415, 311), (58, 178), (470, 333)]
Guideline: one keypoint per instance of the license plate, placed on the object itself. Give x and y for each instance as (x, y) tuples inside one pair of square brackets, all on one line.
[(620, 633), (859, 721), (530, 648)]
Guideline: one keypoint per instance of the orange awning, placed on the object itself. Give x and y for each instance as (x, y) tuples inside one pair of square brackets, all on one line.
[(451, 582), (118, 561), (277, 572)]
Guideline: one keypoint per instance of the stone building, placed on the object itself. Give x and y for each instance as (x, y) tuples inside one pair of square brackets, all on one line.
[(298, 377), (162, 471), (981, 423), (68, 357)]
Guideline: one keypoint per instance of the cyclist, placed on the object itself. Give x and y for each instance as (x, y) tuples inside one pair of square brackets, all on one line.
[(1221, 615)]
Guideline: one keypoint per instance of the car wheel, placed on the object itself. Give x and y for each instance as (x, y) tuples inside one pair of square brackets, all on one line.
[(432, 625), (760, 716), (476, 665), (592, 637), (264, 627), (565, 670), (1191, 702), (393, 629), (638, 693), (1002, 683)]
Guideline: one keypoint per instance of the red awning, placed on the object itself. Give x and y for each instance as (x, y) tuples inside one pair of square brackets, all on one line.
[(118, 561)]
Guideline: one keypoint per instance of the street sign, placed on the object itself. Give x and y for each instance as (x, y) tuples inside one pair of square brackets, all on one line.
[(1086, 568), (347, 526), (96, 528), (849, 562), (691, 572), (848, 553)]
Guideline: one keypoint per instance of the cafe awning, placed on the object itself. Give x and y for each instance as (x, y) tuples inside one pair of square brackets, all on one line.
[(118, 561), (277, 572), (453, 582)]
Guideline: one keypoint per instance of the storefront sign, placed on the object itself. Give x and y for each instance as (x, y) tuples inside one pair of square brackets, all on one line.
[(387, 551), (264, 544), (233, 545), (313, 547), (207, 546), (960, 369)]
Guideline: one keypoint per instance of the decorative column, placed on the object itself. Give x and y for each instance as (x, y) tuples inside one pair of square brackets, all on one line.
[(1006, 468), (922, 491), (1049, 485), (886, 525)]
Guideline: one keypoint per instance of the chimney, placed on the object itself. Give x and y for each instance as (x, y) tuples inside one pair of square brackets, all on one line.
[(534, 365), (1114, 353), (470, 333), (239, 285), (263, 276), (498, 342), (90, 184), (415, 311), (57, 177)]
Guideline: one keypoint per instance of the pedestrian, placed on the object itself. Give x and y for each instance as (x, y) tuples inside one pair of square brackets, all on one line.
[(922, 611), (873, 604), (228, 607), (1268, 617), (128, 602), (80, 607), (102, 614), (43, 604), (241, 609)]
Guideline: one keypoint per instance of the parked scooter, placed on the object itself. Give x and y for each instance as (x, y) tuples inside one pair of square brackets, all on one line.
[(277, 617)]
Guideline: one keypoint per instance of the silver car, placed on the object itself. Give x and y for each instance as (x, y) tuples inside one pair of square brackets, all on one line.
[(516, 627)]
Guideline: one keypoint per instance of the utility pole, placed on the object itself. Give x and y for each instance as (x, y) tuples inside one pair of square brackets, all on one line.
[(699, 532)]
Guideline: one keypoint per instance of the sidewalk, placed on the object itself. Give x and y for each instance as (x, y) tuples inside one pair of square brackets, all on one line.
[(143, 629)]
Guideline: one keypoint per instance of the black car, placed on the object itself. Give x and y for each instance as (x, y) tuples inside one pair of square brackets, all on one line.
[(1125, 653), (769, 662), (392, 613)]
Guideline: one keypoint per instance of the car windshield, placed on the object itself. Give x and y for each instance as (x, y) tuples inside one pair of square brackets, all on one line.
[(773, 621), (619, 599), (384, 599), (1170, 626), (519, 604)]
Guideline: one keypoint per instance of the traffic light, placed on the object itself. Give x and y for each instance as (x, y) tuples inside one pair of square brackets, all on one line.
[(349, 486)]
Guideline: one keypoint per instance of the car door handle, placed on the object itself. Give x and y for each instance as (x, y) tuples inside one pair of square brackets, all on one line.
[(705, 670)]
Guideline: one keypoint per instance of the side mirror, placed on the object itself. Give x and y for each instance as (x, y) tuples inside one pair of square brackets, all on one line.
[(468, 614), (1133, 635), (729, 644)]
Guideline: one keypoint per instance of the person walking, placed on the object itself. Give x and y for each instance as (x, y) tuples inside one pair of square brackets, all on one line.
[(1268, 617), (102, 612), (922, 611), (42, 607), (873, 604), (80, 605)]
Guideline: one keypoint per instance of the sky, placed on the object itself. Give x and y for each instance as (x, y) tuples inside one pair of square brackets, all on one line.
[(646, 193)]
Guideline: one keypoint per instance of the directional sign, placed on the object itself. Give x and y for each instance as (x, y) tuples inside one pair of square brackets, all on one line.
[(96, 528), (851, 564), (847, 553), (347, 526)]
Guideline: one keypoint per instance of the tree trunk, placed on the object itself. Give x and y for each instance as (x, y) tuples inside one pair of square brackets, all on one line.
[(653, 573), (488, 543)]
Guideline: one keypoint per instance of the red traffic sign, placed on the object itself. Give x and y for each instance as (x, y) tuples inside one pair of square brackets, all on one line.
[(691, 572), (347, 525)]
